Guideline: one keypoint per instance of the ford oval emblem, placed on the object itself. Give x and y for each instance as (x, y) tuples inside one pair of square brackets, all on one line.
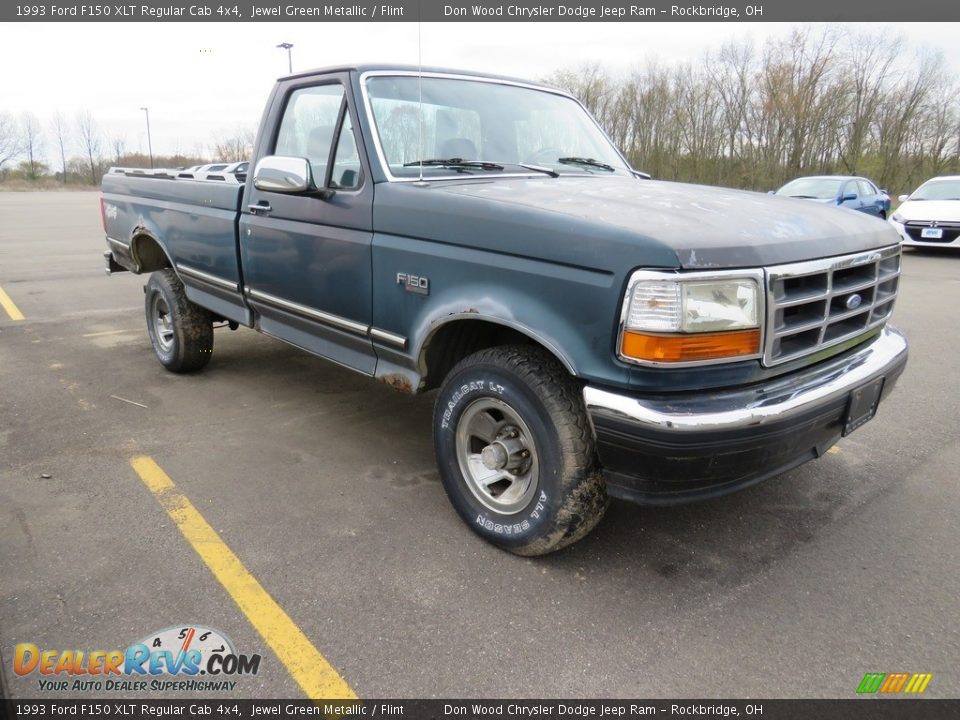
[(854, 301)]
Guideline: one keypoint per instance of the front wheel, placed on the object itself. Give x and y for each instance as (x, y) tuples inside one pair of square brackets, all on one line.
[(515, 450), (180, 331)]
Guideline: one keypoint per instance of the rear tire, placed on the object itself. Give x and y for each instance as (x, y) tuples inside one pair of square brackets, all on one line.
[(515, 450), (180, 331)]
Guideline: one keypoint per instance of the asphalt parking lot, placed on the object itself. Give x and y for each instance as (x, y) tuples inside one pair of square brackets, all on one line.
[(322, 484)]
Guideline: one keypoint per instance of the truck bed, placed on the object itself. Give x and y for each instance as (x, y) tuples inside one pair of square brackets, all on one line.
[(194, 222)]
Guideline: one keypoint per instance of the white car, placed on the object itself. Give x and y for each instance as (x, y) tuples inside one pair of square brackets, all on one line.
[(930, 216)]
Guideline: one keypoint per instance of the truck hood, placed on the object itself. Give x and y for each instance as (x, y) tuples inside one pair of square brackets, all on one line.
[(611, 224), (703, 226)]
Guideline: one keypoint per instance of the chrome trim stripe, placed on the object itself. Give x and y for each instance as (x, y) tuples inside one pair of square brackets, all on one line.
[(207, 278), (371, 119), (298, 309), (388, 337), (740, 409), (119, 243)]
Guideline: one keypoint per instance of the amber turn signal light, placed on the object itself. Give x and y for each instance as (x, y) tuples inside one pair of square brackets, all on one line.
[(690, 347)]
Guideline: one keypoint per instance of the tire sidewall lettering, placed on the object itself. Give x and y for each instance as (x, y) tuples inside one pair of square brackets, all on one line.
[(501, 527), (465, 389)]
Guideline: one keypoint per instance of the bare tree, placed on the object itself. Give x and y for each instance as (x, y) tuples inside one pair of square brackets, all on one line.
[(9, 139), (32, 143), (89, 135), (234, 147), (119, 146), (61, 134), (870, 63)]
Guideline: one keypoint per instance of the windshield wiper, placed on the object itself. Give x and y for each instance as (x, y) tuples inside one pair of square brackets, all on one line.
[(590, 162), (458, 164), (539, 168), (807, 197)]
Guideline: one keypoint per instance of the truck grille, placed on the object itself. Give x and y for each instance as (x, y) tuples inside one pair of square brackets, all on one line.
[(821, 303)]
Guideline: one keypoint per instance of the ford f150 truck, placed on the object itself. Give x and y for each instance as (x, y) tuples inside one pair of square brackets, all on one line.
[(591, 332)]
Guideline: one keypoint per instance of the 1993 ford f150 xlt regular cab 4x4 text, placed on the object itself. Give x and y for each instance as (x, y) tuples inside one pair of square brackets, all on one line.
[(590, 330)]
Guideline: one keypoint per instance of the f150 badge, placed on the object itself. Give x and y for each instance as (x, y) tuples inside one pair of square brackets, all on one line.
[(414, 283)]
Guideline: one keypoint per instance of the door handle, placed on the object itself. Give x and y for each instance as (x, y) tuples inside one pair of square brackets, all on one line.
[(262, 206)]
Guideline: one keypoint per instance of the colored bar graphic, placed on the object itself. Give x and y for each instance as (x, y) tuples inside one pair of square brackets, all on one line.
[(893, 683), (871, 683)]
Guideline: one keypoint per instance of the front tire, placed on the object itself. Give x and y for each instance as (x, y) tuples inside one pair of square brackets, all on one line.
[(515, 451), (180, 331)]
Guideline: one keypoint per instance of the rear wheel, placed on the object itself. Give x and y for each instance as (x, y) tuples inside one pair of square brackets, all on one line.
[(180, 331), (515, 450)]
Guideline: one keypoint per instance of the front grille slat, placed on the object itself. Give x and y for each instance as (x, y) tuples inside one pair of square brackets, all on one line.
[(821, 303), (799, 328)]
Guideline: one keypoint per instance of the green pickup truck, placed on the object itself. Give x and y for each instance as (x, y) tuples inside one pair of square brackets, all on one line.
[(590, 332)]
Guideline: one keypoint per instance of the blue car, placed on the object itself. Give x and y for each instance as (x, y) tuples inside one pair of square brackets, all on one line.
[(856, 193)]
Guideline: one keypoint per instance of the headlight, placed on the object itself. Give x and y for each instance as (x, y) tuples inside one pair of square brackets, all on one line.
[(897, 217), (669, 318)]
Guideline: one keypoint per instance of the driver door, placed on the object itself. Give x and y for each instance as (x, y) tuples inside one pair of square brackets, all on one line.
[(306, 257)]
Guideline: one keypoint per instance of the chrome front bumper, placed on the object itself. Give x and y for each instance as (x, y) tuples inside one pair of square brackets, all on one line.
[(668, 448), (738, 409)]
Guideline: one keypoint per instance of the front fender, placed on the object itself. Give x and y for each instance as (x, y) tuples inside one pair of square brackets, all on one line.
[(571, 311)]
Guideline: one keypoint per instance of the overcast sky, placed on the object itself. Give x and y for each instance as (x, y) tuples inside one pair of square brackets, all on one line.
[(201, 79)]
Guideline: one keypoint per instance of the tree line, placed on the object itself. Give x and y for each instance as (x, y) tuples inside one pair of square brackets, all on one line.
[(814, 102), (77, 151)]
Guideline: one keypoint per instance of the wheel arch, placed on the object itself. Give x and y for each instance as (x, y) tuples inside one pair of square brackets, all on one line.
[(148, 252), (461, 334)]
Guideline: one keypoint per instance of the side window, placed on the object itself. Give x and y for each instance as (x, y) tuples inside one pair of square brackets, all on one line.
[(850, 188), (346, 163), (309, 125), (866, 188)]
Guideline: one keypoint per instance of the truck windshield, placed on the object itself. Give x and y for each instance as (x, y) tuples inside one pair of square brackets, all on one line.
[(472, 120)]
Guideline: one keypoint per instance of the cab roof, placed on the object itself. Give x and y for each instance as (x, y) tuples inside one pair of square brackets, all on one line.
[(388, 67)]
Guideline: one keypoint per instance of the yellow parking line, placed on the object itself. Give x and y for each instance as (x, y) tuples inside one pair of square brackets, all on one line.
[(316, 677), (12, 310), (107, 332)]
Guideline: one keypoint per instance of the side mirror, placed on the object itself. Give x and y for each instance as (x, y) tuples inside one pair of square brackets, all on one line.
[(771, 192), (848, 196), (277, 173), (642, 175), (903, 198)]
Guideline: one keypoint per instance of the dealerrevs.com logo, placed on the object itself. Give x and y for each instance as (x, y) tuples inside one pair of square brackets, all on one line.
[(186, 657)]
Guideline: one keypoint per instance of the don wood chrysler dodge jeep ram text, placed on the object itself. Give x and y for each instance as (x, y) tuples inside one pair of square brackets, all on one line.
[(591, 332)]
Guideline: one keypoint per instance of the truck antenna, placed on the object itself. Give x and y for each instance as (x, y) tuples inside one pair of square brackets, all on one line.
[(420, 86)]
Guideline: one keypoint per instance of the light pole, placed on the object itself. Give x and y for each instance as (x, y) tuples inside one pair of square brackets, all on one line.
[(288, 46), (149, 140)]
